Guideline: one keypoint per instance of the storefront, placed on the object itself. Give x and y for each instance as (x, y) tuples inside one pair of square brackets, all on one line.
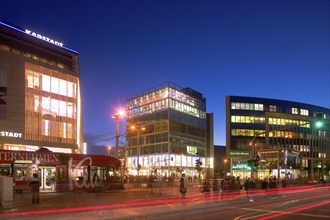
[(61, 172)]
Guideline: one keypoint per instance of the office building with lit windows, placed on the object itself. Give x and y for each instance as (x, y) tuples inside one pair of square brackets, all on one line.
[(168, 129), (40, 103), (284, 135)]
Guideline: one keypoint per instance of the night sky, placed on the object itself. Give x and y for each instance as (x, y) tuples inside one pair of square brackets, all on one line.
[(269, 49)]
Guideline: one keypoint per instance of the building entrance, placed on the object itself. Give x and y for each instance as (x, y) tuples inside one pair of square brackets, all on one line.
[(48, 177)]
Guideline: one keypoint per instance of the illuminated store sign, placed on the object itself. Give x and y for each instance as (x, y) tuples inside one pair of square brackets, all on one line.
[(239, 153), (239, 166), (9, 156), (10, 134), (49, 40)]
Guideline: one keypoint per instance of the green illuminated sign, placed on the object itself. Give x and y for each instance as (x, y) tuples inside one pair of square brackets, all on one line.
[(239, 153), (239, 166)]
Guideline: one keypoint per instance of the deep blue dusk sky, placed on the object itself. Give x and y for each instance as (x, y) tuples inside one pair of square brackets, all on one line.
[(270, 49)]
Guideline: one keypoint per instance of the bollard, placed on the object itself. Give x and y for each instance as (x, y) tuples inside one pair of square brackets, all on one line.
[(6, 192)]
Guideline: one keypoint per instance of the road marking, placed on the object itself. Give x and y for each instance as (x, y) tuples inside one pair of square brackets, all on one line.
[(277, 212)]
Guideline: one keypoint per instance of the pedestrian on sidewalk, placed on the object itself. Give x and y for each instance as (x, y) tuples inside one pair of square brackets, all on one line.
[(249, 187), (216, 188), (183, 186), (35, 185)]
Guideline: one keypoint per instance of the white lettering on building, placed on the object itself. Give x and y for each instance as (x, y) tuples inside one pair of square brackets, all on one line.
[(10, 134), (31, 156), (84, 183), (44, 38)]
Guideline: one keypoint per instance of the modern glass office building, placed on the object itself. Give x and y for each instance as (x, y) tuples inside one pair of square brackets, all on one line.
[(40, 103), (284, 134), (168, 129)]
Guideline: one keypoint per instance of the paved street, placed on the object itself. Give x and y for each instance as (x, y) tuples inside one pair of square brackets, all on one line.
[(165, 203), (52, 200)]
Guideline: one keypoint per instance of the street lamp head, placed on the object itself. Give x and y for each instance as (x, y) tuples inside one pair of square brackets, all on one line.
[(121, 112), (319, 124), (141, 128), (118, 114)]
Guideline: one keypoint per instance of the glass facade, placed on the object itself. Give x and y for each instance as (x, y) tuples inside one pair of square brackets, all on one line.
[(283, 133), (50, 105), (174, 135), (166, 98)]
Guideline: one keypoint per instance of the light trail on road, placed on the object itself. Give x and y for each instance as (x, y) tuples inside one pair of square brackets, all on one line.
[(198, 199), (297, 210), (257, 207)]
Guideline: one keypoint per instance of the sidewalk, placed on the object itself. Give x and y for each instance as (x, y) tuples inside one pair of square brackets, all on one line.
[(64, 200)]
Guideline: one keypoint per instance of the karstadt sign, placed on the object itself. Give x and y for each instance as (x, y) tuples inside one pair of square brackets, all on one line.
[(10, 134), (49, 40)]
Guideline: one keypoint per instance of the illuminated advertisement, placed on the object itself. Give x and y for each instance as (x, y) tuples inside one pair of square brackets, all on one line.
[(41, 37), (145, 161), (178, 160), (184, 161), (166, 160), (189, 162)]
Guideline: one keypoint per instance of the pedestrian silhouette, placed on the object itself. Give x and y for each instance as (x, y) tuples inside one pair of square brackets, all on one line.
[(35, 185), (183, 186)]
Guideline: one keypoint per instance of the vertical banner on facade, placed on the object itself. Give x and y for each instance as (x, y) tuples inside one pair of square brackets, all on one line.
[(3, 94)]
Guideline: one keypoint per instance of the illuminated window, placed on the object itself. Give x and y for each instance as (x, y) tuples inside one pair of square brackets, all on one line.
[(70, 89), (258, 107), (46, 83), (247, 132), (69, 130), (322, 155), (36, 104), (54, 106), (32, 79), (294, 111), (272, 108), (304, 163), (247, 119), (46, 128), (63, 87), (54, 85), (70, 110), (304, 112), (62, 110), (45, 105)]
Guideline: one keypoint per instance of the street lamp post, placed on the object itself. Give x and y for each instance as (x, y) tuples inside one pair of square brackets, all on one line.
[(225, 161), (116, 117), (109, 149)]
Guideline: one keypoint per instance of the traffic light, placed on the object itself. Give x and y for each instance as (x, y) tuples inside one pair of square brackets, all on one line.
[(198, 164), (319, 119), (252, 165)]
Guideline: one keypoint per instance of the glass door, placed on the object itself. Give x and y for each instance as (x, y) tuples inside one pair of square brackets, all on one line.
[(48, 176)]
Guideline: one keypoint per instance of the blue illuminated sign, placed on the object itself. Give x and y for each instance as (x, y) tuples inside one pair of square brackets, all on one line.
[(49, 40), (39, 36)]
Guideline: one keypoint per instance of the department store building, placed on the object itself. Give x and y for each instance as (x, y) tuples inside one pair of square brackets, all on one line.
[(40, 102)]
